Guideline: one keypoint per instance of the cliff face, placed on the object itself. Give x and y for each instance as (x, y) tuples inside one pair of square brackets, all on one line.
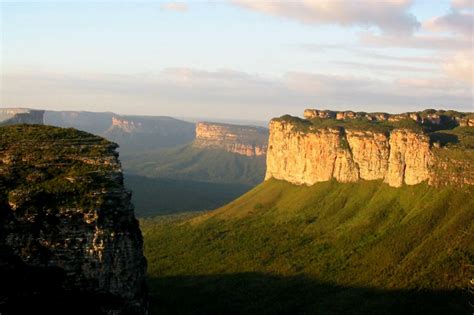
[(69, 241), (12, 116), (245, 140), (306, 152)]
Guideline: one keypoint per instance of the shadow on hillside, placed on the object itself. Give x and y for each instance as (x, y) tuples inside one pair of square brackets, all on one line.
[(256, 293), (444, 138), (159, 196)]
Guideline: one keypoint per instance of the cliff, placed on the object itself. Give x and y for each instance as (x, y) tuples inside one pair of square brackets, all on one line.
[(69, 240), (399, 149), (13, 116), (244, 140)]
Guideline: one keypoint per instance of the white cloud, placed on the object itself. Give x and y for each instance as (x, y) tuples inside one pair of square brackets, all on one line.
[(391, 16), (427, 42), (463, 4), (228, 93), (175, 6), (454, 22), (461, 67)]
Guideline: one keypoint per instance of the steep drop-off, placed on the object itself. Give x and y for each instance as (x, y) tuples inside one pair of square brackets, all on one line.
[(244, 140), (332, 146), (69, 241)]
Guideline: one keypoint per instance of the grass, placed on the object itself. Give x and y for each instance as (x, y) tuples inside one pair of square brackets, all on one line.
[(371, 245), (159, 196)]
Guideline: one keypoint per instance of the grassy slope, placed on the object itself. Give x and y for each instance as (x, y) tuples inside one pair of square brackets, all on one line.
[(157, 196), (326, 248)]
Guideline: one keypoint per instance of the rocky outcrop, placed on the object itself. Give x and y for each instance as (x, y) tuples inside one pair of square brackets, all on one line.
[(69, 240), (13, 116), (245, 140), (306, 152)]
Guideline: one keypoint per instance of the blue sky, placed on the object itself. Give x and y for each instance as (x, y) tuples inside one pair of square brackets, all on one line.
[(237, 59)]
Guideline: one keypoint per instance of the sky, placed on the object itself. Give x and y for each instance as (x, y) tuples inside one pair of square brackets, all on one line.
[(237, 59)]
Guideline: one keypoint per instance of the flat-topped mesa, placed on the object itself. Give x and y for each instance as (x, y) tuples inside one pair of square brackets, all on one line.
[(69, 240), (14, 116), (146, 124), (245, 140), (397, 151), (426, 117)]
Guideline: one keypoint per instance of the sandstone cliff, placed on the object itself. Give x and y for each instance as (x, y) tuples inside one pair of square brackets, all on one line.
[(69, 241), (324, 147), (12, 116), (245, 140)]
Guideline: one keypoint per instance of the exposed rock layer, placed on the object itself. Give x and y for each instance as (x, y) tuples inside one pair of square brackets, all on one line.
[(302, 153), (244, 140), (69, 241)]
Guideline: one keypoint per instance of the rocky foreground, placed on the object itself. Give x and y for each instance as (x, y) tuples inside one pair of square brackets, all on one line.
[(69, 240)]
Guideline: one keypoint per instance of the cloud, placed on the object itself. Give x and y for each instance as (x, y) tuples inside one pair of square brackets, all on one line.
[(427, 42), (455, 22), (390, 16), (227, 93), (461, 67), (384, 67), (463, 4), (175, 6)]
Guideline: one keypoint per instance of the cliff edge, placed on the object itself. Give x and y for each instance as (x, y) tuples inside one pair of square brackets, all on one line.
[(69, 240), (408, 148)]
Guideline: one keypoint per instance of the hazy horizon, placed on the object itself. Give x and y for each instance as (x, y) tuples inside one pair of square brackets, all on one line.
[(242, 60)]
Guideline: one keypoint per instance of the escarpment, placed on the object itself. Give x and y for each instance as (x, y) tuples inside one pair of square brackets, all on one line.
[(69, 240), (245, 140), (12, 116), (398, 149)]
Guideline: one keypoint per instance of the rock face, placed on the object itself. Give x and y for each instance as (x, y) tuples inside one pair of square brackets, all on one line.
[(245, 140), (12, 116), (306, 152), (69, 240)]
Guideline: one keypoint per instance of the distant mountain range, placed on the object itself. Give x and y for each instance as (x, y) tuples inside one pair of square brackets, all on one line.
[(162, 156)]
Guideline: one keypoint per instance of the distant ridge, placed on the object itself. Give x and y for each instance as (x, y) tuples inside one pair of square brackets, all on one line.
[(13, 116)]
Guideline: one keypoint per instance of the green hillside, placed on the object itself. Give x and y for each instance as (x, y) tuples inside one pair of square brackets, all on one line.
[(158, 196), (360, 248), (196, 164)]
